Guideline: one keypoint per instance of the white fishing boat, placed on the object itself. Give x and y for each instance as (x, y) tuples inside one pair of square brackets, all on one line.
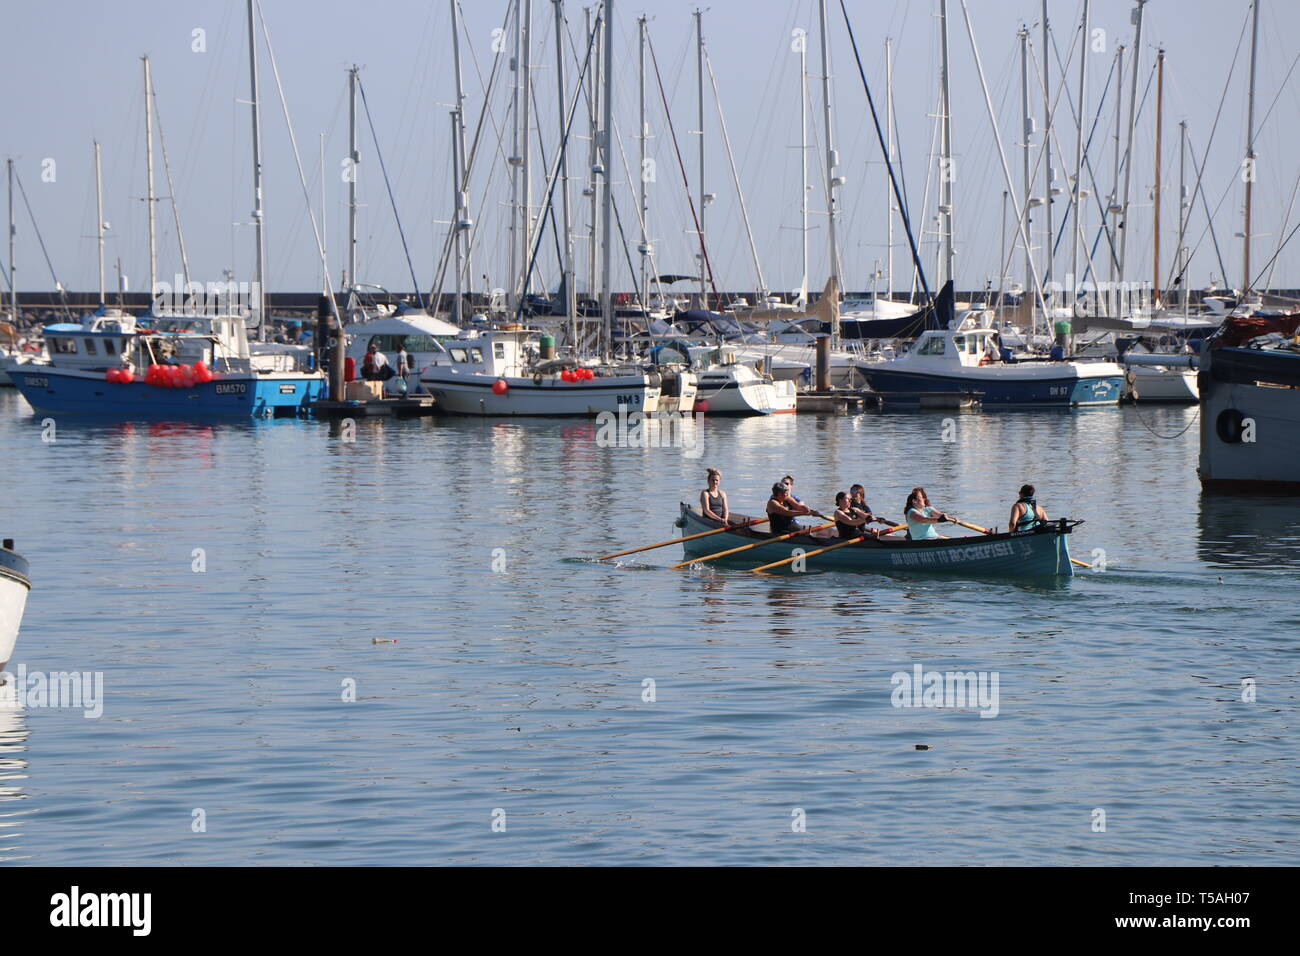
[(491, 374), (15, 582)]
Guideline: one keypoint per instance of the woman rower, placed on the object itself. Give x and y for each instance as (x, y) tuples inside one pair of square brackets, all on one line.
[(713, 500), (1027, 514), (858, 502), (849, 520), (782, 509), (921, 517)]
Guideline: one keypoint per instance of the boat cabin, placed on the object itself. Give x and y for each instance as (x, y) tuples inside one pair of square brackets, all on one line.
[(500, 353), (946, 347)]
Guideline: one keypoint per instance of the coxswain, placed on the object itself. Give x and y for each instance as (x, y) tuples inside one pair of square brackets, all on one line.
[(1027, 514)]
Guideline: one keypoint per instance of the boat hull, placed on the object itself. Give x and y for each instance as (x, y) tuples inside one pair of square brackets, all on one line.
[(1033, 554), (52, 390), (471, 394), (14, 585), (726, 395), (1161, 384), (1023, 390)]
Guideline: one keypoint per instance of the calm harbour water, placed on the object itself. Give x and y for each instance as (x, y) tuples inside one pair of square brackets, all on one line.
[(522, 690)]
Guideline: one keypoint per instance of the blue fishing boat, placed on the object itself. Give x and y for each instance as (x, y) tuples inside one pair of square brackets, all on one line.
[(1042, 552), (969, 361), (189, 367)]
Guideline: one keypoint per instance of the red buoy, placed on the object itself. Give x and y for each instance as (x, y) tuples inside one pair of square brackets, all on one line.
[(500, 387), (125, 376)]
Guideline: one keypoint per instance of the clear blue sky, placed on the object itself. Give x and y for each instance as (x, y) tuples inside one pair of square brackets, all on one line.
[(73, 74)]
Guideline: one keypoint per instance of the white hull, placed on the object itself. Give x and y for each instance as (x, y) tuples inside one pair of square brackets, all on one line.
[(1160, 384), (798, 364), (729, 392), (13, 600), (462, 393)]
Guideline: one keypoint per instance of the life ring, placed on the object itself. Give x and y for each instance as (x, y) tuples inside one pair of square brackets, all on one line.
[(537, 378), (1229, 426)]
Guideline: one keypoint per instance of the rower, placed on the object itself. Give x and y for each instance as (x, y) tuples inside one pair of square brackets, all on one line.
[(1027, 514), (713, 500), (921, 517), (858, 502), (849, 520), (782, 509), (788, 481)]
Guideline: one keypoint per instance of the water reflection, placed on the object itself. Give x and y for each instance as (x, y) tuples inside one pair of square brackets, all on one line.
[(13, 775), (1249, 532)]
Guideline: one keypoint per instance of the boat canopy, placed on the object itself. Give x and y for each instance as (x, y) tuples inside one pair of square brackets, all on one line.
[(404, 322)]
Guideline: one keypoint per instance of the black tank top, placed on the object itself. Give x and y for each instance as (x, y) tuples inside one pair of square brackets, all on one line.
[(780, 524), (715, 503), (847, 530)]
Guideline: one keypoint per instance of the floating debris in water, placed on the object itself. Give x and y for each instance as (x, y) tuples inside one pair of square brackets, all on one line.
[(383, 640), (922, 746)]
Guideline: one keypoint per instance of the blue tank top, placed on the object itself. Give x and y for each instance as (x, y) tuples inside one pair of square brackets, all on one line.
[(1029, 520), (920, 530)]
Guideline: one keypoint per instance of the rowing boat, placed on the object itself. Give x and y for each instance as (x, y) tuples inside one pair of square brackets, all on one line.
[(1038, 553)]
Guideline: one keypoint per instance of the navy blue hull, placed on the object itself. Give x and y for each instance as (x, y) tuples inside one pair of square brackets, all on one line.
[(232, 396), (1059, 391)]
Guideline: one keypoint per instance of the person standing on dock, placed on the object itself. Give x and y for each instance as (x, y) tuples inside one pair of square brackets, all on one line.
[(1027, 514), (921, 517), (713, 500)]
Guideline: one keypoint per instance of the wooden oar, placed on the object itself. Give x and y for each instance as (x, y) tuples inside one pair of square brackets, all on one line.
[(689, 537), (975, 527), (809, 554), (756, 544)]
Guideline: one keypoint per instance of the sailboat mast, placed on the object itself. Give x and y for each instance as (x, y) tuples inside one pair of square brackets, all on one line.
[(1160, 125), (1076, 207), (1114, 207), (699, 76), (455, 226), (354, 159), (259, 269), (606, 225), (593, 101), (1049, 174), (1250, 148), (803, 166), (149, 193), (461, 236), (946, 173), (889, 156), (1182, 213), (1027, 125), (644, 248), (1132, 126), (525, 174), (566, 244), (99, 222), (13, 275), (832, 160)]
